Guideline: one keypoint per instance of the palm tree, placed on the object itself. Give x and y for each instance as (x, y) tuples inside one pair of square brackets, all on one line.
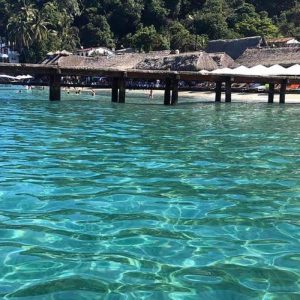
[(19, 27), (27, 26), (39, 27), (69, 34)]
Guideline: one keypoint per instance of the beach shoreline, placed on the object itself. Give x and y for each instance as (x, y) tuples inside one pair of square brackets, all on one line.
[(202, 96)]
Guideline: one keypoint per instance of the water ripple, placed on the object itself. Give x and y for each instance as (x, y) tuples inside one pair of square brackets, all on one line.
[(105, 201)]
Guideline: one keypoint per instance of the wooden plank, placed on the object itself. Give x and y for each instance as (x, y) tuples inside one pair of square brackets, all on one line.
[(90, 72), (148, 75), (39, 69), (271, 93), (55, 88), (218, 91)]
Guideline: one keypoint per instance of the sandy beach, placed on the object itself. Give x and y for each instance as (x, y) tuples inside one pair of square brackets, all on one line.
[(240, 97), (192, 96)]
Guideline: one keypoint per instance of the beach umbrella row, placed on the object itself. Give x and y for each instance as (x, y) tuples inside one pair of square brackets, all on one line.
[(23, 77), (259, 70), (19, 77)]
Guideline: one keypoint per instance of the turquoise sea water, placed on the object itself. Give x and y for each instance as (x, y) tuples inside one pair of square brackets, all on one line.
[(135, 201)]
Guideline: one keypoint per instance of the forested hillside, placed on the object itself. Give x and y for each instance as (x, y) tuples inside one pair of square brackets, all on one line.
[(35, 27)]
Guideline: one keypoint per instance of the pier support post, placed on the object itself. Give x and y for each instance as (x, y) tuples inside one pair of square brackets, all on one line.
[(174, 99), (118, 93), (228, 90), (271, 93), (115, 90), (167, 96), (54, 90), (218, 91), (282, 91), (122, 90)]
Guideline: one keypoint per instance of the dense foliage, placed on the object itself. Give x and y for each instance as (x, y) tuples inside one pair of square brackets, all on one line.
[(35, 27)]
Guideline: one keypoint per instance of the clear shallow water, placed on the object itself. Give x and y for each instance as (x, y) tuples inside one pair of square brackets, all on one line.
[(104, 201)]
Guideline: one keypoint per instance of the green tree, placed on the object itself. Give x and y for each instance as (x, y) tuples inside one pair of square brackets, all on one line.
[(72, 7), (174, 7), (147, 39), (212, 20), (61, 26), (250, 23), (97, 31), (48, 28), (20, 27), (39, 26), (4, 16), (49, 25), (125, 16), (289, 22), (273, 7), (183, 40), (155, 13)]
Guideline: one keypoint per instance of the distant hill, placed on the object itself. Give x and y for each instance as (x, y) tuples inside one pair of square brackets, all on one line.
[(37, 27)]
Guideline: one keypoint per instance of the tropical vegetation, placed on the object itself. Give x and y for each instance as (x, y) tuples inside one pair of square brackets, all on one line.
[(35, 27)]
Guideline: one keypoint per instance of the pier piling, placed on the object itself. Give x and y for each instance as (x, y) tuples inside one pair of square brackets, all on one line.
[(122, 90), (55, 87), (282, 91), (174, 99), (228, 90), (271, 93), (218, 91), (167, 96), (118, 93), (115, 90)]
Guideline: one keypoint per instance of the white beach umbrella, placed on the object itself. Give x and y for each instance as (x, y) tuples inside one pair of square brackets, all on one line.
[(276, 70), (293, 70), (222, 71), (258, 70), (7, 77), (204, 72), (21, 77), (242, 70)]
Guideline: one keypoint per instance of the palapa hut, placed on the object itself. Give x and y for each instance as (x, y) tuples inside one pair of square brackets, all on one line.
[(162, 60), (286, 57), (121, 62), (194, 61), (234, 48), (223, 60), (282, 42)]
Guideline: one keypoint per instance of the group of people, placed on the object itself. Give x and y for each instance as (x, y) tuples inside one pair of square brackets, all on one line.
[(78, 91)]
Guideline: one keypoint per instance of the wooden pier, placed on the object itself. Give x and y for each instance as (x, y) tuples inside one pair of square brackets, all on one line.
[(171, 79)]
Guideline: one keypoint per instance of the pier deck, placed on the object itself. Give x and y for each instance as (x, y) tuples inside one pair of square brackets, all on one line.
[(171, 79)]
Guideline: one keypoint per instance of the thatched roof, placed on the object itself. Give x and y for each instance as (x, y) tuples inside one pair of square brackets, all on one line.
[(163, 60), (284, 40), (122, 62), (223, 60), (195, 61), (234, 48), (285, 56)]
